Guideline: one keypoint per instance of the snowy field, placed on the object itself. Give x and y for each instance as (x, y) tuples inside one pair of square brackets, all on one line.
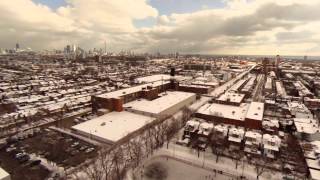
[(179, 170)]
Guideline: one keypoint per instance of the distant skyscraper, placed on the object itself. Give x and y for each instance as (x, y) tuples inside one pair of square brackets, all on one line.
[(278, 60), (305, 58), (68, 49), (105, 46), (17, 46)]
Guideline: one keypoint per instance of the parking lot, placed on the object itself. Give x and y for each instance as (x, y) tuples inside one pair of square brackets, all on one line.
[(21, 155), (21, 168), (59, 148)]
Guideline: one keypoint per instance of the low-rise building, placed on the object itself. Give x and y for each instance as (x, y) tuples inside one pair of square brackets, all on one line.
[(191, 128), (112, 127), (253, 142), (235, 137), (271, 145)]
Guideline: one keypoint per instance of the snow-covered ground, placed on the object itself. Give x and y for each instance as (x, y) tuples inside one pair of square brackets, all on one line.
[(178, 170), (188, 161)]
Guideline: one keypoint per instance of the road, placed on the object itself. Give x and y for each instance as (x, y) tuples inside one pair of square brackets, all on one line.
[(257, 93)]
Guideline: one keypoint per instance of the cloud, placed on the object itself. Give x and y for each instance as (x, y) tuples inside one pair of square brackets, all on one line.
[(242, 26), (297, 36), (237, 30), (80, 22)]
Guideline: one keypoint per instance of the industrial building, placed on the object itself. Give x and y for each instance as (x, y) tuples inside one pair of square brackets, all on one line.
[(245, 115), (114, 101), (167, 103), (130, 109), (111, 127)]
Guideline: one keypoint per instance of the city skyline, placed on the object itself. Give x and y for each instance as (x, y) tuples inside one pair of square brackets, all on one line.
[(204, 27)]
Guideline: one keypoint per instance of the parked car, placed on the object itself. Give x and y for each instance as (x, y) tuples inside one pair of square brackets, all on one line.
[(73, 153), (18, 155), (10, 149), (75, 144), (82, 148), (89, 150), (184, 141), (24, 158), (11, 140), (34, 163)]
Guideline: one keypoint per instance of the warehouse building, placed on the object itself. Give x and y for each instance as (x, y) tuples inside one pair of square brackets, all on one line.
[(112, 127), (167, 103), (245, 115), (113, 101)]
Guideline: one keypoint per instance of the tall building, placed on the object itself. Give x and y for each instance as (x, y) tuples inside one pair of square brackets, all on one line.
[(17, 46), (278, 60), (68, 49)]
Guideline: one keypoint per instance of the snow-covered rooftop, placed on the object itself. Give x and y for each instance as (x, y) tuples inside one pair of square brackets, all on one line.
[(255, 111), (236, 134), (221, 128), (113, 126), (192, 123), (280, 89), (271, 142), (3, 174), (268, 84), (225, 111), (160, 77), (308, 126), (116, 94), (253, 134), (232, 97), (161, 104), (205, 128)]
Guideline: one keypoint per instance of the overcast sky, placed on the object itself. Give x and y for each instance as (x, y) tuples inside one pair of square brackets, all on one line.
[(257, 27)]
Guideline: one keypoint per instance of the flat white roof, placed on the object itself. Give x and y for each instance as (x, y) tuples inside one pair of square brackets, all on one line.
[(153, 78), (113, 126), (225, 111), (255, 111), (160, 77), (130, 90), (253, 134), (236, 86), (3, 174), (268, 84), (232, 97), (315, 174), (156, 106), (280, 89)]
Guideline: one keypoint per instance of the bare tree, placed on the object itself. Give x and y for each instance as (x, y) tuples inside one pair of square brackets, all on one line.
[(237, 155), (105, 160), (218, 145), (118, 162), (93, 171), (137, 151), (145, 138), (186, 113), (261, 166)]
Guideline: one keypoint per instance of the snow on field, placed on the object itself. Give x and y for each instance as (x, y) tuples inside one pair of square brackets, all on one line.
[(188, 161), (179, 170)]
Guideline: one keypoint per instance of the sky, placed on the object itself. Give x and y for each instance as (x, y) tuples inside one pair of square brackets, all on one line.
[(252, 27)]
